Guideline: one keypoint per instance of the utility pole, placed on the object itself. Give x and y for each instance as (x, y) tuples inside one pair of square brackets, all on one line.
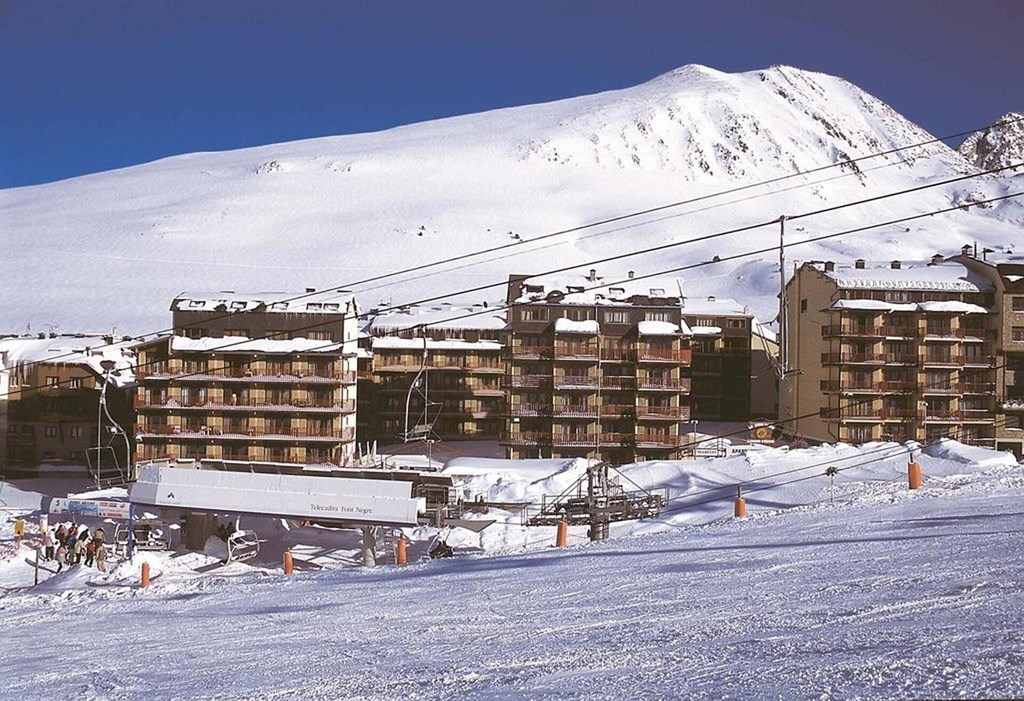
[(783, 341)]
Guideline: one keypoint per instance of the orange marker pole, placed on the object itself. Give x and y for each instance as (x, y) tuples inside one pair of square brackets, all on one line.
[(401, 551), (914, 476), (289, 563), (562, 534), (740, 508), (145, 575)]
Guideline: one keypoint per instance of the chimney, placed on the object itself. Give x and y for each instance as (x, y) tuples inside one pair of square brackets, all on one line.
[(593, 275), (310, 290), (895, 265), (965, 250), (859, 264), (630, 274), (829, 266), (937, 258)]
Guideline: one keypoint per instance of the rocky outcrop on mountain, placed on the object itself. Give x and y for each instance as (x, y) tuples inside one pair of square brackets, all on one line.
[(1001, 144)]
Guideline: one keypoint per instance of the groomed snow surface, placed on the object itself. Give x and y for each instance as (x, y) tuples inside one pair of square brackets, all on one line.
[(886, 593)]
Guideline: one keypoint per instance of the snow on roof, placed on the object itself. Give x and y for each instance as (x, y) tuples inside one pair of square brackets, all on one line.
[(956, 307), (241, 344), (714, 306), (875, 305), (394, 342), (946, 276), (658, 328), (1014, 278), (584, 290), (278, 302), (706, 330), (569, 326), (444, 316), (89, 350)]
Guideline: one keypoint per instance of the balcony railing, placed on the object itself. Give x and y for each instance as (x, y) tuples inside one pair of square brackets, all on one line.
[(681, 384), (652, 355), (852, 358), (236, 375), (298, 406), (855, 330), (572, 411), (218, 434), (677, 413), (530, 381), (575, 382)]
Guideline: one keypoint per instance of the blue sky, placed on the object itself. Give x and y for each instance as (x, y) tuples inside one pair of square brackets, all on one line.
[(90, 86)]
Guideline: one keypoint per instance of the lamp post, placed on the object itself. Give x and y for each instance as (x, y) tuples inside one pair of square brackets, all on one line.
[(693, 440)]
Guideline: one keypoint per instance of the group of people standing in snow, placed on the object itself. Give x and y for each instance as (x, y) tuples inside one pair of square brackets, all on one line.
[(71, 545)]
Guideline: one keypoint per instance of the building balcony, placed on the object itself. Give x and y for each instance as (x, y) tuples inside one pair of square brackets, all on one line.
[(530, 352), (530, 381), (676, 357), (178, 433), (657, 440), (569, 411), (618, 382), (899, 414), (663, 413), (528, 410), (1013, 405), (853, 331), (231, 376), (575, 382), (681, 384), (574, 352), (978, 387), (846, 358), (251, 406)]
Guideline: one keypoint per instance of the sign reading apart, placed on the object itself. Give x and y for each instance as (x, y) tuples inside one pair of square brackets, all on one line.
[(360, 501)]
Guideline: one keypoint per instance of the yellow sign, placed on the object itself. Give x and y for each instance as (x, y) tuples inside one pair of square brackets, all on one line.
[(19, 528)]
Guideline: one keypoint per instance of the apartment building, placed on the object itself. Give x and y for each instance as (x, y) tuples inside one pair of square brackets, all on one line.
[(596, 372), (891, 351), (51, 405), (1005, 273), (723, 347), (257, 377), (436, 374)]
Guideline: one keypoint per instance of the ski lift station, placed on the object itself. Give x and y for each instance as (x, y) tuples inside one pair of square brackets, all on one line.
[(344, 500)]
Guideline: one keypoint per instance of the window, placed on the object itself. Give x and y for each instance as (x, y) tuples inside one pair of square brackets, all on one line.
[(319, 335), (12, 428), (736, 323), (76, 431), (28, 430), (1018, 304), (534, 314), (52, 381), (658, 316), (579, 314), (1017, 334), (243, 333), (196, 333), (75, 383), (50, 431), (616, 317), (803, 306)]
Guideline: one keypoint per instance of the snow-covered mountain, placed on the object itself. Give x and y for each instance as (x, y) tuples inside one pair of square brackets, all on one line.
[(1002, 144), (113, 248)]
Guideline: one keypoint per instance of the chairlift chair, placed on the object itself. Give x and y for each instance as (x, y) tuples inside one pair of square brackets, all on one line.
[(243, 545)]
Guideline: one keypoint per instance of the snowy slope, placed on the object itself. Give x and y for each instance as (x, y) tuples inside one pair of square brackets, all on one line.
[(113, 248), (885, 594)]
